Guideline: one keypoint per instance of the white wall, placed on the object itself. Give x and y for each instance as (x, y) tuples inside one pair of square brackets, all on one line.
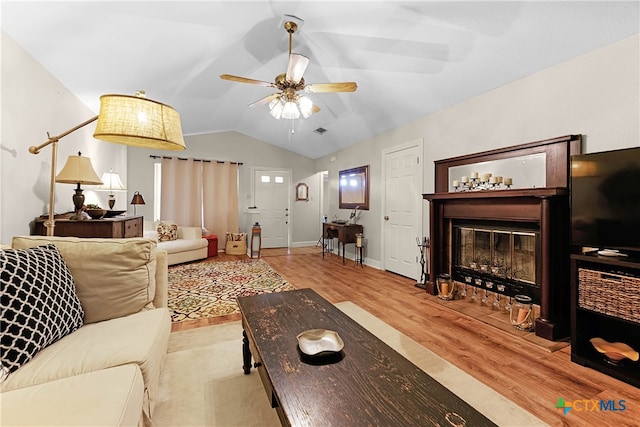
[(34, 103), (596, 94)]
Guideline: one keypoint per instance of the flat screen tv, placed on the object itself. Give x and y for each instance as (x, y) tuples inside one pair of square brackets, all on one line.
[(605, 200)]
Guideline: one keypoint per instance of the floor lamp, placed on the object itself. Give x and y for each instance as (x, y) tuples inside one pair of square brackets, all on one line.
[(122, 119)]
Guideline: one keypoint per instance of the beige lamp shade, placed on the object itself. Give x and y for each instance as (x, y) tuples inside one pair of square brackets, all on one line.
[(138, 121), (78, 170), (111, 181)]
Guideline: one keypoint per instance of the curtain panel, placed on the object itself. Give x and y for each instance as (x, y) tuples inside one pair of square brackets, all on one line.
[(200, 194)]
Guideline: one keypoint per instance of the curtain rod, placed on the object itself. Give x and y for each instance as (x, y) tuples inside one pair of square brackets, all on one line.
[(196, 160)]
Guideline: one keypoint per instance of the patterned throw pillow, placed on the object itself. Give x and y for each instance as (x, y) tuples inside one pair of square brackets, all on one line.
[(39, 303), (167, 231)]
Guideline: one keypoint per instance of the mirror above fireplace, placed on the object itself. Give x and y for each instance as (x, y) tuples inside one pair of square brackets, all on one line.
[(526, 171)]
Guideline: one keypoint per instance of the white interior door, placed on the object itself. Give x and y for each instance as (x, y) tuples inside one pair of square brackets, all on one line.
[(402, 207), (272, 196)]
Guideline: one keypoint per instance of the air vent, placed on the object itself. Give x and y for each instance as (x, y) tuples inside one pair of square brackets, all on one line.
[(320, 131)]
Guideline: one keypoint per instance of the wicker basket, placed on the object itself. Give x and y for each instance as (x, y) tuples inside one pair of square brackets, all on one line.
[(613, 294), (236, 244)]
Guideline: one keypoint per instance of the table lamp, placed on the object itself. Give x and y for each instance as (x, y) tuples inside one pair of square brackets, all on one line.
[(111, 182), (137, 200), (78, 170)]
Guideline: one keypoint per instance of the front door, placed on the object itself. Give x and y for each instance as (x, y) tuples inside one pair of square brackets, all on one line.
[(272, 194), (402, 209)]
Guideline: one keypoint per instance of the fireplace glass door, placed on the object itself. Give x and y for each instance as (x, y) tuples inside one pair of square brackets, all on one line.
[(495, 254), (524, 257)]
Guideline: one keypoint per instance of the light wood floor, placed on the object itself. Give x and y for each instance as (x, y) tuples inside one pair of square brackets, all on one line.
[(524, 373)]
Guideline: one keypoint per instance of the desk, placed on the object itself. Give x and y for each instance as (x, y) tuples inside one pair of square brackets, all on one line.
[(345, 233), (116, 227)]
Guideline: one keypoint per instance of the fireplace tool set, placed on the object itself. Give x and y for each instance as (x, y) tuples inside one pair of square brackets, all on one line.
[(423, 247)]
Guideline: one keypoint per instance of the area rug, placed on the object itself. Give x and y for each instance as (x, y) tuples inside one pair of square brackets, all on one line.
[(208, 289), (202, 382)]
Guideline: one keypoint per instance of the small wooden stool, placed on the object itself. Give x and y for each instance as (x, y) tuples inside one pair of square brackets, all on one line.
[(213, 245), (256, 231)]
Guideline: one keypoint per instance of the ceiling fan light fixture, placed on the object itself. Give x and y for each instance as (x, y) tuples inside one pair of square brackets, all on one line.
[(306, 106), (290, 111), (276, 107), (289, 102)]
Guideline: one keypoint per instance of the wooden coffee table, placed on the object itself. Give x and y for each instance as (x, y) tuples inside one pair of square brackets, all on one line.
[(367, 383)]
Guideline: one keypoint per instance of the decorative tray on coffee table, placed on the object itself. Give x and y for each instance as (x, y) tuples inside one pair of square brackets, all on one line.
[(317, 342)]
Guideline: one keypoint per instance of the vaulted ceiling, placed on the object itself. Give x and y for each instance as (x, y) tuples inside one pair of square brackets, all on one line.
[(409, 59)]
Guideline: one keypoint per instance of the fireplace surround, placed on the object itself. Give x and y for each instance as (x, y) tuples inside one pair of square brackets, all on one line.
[(509, 241)]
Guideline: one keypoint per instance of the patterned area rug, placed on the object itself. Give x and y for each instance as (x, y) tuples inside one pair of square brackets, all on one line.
[(207, 289)]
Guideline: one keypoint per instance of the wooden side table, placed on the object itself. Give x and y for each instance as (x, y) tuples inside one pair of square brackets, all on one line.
[(256, 231)]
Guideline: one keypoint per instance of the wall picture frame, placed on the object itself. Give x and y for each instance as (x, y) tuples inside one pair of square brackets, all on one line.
[(353, 188), (302, 192)]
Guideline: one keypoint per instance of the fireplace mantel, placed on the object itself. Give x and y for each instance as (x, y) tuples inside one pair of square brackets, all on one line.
[(505, 205), (546, 209), (498, 194)]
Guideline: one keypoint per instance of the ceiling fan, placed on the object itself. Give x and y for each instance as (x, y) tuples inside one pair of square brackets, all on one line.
[(291, 102)]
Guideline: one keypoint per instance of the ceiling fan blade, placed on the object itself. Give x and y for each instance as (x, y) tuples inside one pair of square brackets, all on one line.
[(266, 99), (332, 87), (245, 80), (297, 65)]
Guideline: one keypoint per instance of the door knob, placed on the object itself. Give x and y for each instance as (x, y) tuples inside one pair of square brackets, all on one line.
[(386, 218)]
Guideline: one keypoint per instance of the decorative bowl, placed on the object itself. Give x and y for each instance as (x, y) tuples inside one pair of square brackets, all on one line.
[(96, 213), (111, 214), (614, 352), (316, 341)]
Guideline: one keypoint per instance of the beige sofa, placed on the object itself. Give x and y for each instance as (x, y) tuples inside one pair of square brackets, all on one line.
[(107, 371), (189, 245)]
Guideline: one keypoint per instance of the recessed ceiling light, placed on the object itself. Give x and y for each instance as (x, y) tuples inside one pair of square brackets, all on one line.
[(320, 131)]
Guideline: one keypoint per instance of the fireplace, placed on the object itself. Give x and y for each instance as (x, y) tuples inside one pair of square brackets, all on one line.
[(511, 241), (498, 256)]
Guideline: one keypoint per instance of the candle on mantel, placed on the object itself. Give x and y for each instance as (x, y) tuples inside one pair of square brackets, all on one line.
[(456, 184), (508, 181), (493, 180), (498, 179), (474, 175), (485, 177), (464, 179)]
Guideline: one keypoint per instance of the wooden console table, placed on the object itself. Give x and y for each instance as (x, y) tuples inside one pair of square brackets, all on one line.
[(345, 233), (117, 227)]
